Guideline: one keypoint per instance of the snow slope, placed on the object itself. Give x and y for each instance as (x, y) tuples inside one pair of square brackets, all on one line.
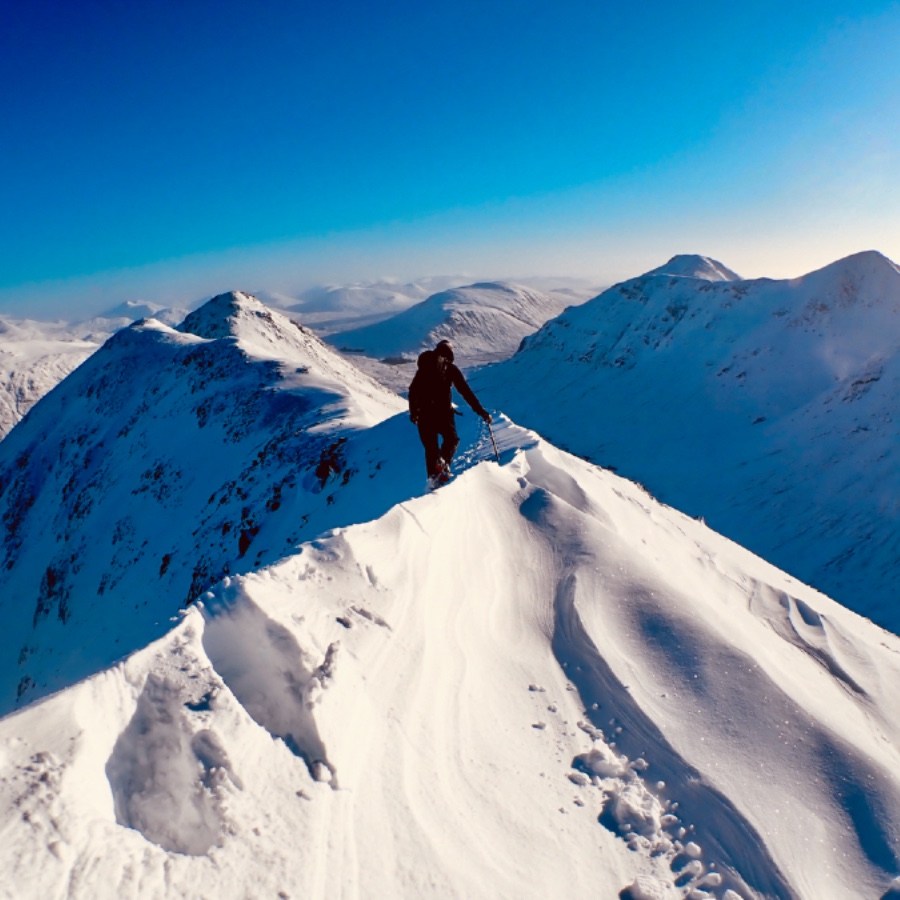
[(485, 321), (168, 459), (767, 407), (535, 682)]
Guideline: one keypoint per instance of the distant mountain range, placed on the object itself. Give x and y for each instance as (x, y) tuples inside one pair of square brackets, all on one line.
[(333, 307), (485, 322)]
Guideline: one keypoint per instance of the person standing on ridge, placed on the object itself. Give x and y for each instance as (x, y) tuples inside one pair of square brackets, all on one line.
[(431, 408)]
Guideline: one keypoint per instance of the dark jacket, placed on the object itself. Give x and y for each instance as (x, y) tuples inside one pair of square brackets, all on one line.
[(429, 393)]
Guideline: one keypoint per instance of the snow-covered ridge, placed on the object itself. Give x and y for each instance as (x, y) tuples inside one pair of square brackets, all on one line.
[(536, 682), (768, 407), (165, 461)]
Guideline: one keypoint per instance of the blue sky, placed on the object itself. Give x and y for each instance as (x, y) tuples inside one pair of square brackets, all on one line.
[(167, 151)]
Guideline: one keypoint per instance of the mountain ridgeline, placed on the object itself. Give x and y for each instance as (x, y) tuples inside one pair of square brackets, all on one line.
[(767, 407), (169, 459), (486, 322)]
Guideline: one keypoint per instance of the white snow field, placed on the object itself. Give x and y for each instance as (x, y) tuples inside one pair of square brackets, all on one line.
[(770, 408), (34, 359), (535, 682)]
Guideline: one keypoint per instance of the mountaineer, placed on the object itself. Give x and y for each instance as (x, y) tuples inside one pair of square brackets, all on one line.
[(431, 408)]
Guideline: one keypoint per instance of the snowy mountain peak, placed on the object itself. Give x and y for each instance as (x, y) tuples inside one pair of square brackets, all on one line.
[(151, 471), (264, 333), (866, 267), (767, 406), (689, 265), (224, 315)]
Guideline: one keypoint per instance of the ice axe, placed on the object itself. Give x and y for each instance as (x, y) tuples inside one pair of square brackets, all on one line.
[(493, 442)]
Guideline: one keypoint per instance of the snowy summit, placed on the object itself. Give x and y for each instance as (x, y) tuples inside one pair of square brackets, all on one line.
[(690, 265)]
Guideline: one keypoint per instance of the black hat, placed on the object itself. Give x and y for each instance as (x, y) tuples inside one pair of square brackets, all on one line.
[(444, 348)]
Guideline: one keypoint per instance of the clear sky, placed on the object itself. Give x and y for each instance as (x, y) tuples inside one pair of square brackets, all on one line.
[(167, 151)]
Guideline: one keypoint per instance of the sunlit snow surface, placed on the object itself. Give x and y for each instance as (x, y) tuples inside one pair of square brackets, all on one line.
[(485, 322), (536, 681)]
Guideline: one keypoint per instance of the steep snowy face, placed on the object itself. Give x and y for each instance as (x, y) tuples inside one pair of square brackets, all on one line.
[(535, 682), (165, 461), (485, 322), (768, 407)]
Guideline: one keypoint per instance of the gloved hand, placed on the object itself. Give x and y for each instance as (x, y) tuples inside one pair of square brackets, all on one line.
[(485, 415)]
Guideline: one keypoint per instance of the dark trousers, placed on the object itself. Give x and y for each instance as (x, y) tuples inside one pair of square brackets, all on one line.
[(430, 429)]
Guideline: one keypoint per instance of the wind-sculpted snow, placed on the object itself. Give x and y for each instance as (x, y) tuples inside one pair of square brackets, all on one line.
[(767, 407), (536, 681), (271, 675), (165, 777)]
